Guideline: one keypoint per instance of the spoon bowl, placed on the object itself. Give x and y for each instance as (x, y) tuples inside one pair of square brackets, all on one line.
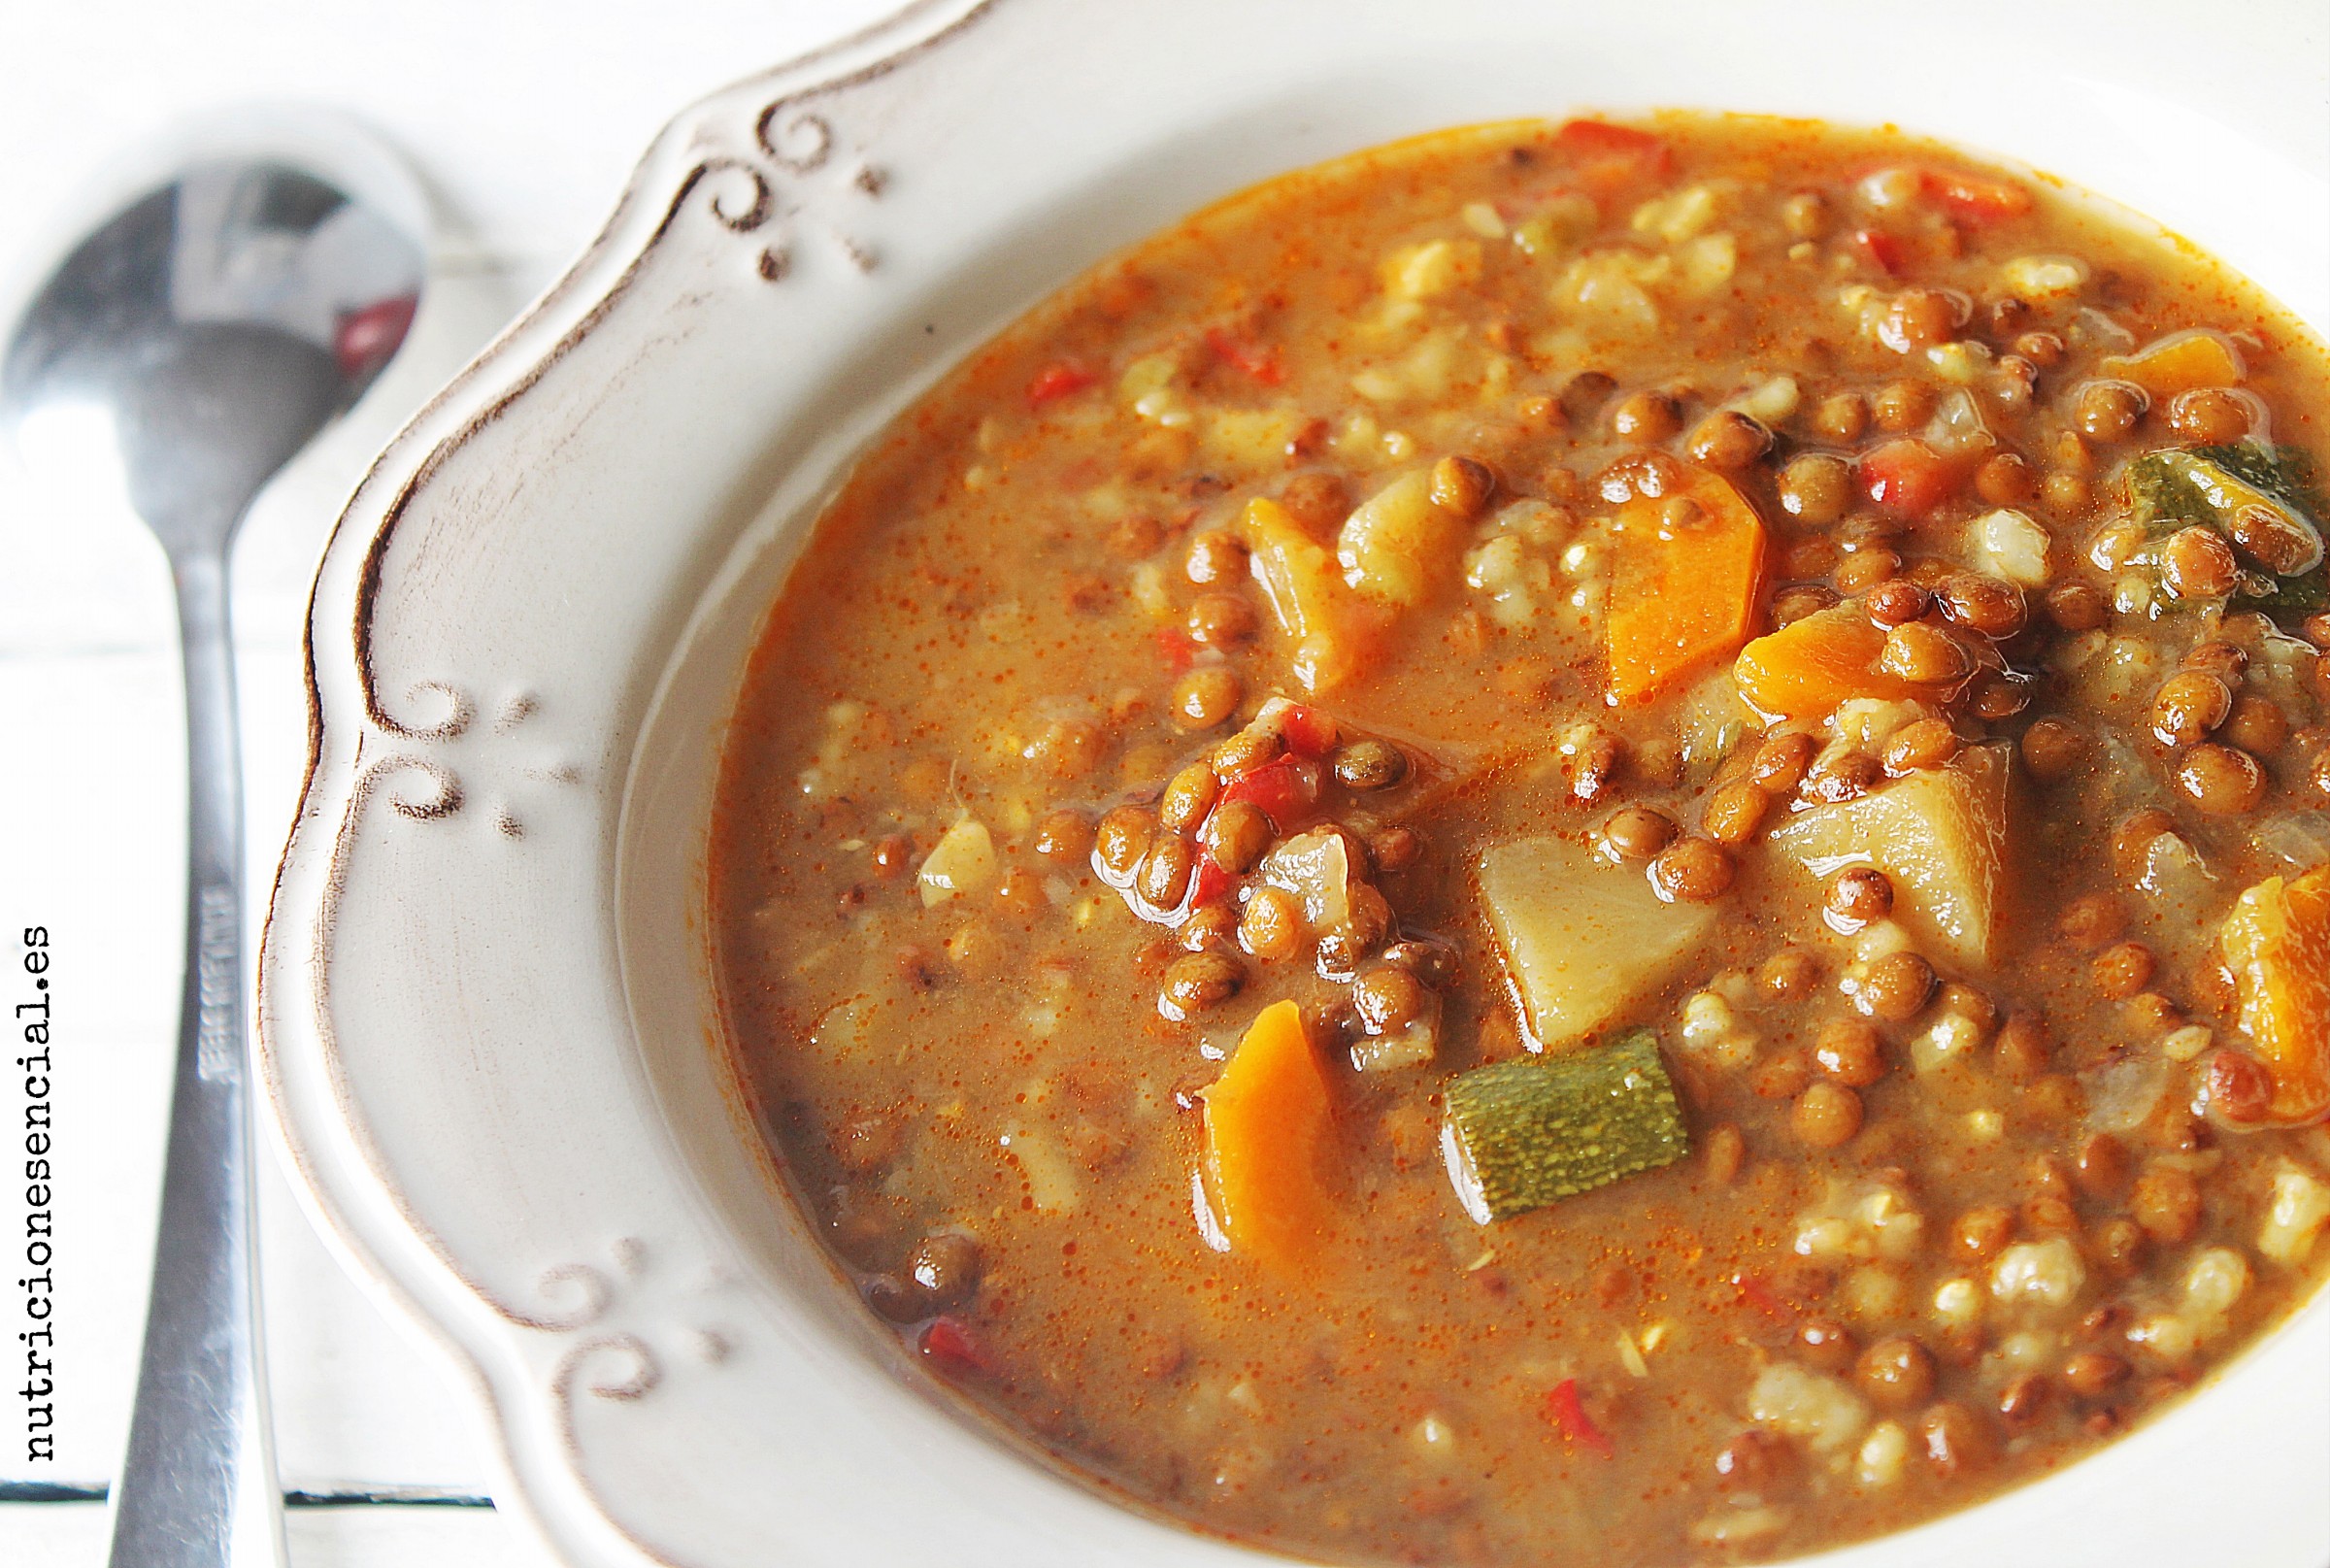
[(210, 327)]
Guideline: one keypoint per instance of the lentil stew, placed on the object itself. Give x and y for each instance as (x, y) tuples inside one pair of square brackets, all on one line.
[(1588, 841)]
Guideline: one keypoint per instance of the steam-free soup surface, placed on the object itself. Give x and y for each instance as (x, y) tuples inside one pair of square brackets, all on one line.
[(1570, 843)]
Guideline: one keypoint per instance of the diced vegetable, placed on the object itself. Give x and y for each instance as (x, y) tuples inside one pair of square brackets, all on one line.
[(1058, 381), (1309, 731), (949, 1347), (1975, 198), (2277, 942), (1522, 1134), (1941, 836), (1427, 271), (962, 861), (1582, 937), (1684, 573), (1270, 1134), (1889, 253), (1563, 1409), (2262, 499), (1285, 790), (2179, 363), (1810, 666), (1605, 158), (1908, 477), (1262, 364), (1823, 1412), (1336, 631), (2300, 1209), (1397, 542), (2009, 543), (1316, 867)]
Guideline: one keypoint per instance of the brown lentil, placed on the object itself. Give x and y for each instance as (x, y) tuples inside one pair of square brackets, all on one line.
[(1825, 1116), (1858, 896), (1165, 870), (1815, 488), (2107, 409), (1734, 812), (1779, 760), (1983, 604), (1897, 986), (1272, 927), (1207, 696), (1462, 485), (2222, 780), (1189, 796), (1236, 836), (1898, 602), (1727, 439), (2054, 749), (2188, 706), (1213, 557), (2256, 725), (1644, 418), (1692, 871), (1198, 982), (1849, 1052), (2005, 480), (1896, 1374), (1925, 653), (1921, 746), (2209, 415), (1639, 832), (1222, 620), (1901, 406), (1979, 1234), (1369, 765)]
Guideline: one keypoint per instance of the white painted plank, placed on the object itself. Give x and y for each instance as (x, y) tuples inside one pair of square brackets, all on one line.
[(72, 1535)]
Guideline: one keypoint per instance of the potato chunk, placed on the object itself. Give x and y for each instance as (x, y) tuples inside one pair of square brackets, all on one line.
[(1581, 937), (1399, 541), (1940, 836)]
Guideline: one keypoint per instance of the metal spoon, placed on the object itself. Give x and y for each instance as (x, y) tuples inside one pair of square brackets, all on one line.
[(186, 352)]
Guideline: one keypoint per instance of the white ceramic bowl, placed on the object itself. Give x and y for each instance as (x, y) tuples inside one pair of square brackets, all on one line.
[(485, 1017)]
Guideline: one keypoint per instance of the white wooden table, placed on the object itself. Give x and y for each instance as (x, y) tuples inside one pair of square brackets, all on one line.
[(525, 117)]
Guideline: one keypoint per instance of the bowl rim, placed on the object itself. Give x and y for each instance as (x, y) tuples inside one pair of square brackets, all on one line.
[(694, 169)]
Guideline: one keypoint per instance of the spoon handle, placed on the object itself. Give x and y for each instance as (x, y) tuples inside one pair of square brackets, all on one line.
[(198, 1486)]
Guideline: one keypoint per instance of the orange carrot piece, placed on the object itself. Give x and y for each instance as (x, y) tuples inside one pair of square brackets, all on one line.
[(1336, 631), (2277, 943), (2179, 363), (1682, 593), (1270, 1132), (1807, 667), (1977, 198)]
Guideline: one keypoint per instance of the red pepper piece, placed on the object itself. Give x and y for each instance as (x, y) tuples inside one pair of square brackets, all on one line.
[(1178, 646), (1607, 156), (1208, 886), (1055, 382), (1262, 364), (1569, 1415), (1285, 790), (1309, 731), (1757, 1294), (1908, 477), (1973, 197), (1883, 249), (949, 1346)]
